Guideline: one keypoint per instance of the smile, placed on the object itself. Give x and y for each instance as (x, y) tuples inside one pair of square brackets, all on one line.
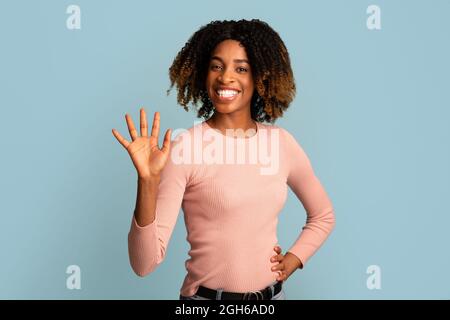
[(226, 95)]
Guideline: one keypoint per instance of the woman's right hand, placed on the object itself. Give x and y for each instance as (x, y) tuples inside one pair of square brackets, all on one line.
[(147, 157)]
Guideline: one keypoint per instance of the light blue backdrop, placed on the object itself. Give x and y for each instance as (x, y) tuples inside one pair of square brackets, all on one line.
[(371, 112)]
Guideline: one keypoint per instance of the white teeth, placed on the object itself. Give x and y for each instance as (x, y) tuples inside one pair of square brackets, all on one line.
[(227, 93)]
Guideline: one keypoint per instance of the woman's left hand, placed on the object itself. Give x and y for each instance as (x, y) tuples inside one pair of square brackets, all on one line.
[(287, 264)]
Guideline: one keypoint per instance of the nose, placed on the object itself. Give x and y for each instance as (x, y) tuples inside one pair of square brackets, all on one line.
[(226, 76)]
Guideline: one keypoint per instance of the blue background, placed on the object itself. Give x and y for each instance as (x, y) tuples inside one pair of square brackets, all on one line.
[(371, 112)]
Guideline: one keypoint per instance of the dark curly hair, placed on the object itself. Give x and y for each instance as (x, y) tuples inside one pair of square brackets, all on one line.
[(269, 61)]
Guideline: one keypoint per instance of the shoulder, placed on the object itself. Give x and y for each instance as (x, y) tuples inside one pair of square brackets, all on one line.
[(180, 133), (272, 129), (182, 137)]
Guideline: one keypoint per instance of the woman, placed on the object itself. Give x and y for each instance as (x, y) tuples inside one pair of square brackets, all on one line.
[(240, 72)]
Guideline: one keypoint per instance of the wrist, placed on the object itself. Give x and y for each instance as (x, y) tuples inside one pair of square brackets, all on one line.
[(149, 178), (295, 261)]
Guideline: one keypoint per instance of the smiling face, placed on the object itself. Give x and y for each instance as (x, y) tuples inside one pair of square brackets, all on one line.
[(229, 81)]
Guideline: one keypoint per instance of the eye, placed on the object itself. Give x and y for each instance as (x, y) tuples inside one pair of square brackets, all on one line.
[(242, 69), (215, 67)]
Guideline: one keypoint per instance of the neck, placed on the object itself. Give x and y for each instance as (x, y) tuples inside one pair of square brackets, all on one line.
[(223, 122)]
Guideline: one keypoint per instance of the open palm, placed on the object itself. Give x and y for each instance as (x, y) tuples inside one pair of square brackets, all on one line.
[(147, 157)]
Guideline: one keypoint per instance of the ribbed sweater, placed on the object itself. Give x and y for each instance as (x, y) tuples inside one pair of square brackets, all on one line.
[(231, 191)]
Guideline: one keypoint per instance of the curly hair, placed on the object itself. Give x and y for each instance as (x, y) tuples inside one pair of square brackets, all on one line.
[(269, 61)]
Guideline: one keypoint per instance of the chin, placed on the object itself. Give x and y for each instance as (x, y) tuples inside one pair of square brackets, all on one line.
[(225, 108)]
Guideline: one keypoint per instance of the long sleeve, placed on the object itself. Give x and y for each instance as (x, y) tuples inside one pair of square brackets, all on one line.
[(147, 245), (231, 208), (308, 189)]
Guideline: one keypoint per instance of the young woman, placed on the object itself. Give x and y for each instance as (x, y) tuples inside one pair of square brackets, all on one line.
[(240, 72)]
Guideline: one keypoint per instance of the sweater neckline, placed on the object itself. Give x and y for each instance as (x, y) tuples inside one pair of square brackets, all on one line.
[(218, 132)]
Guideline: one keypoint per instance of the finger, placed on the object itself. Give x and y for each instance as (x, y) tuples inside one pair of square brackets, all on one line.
[(121, 139), (131, 128), (144, 125), (155, 127), (279, 266), (282, 276), (278, 257), (274, 258), (166, 143), (277, 249)]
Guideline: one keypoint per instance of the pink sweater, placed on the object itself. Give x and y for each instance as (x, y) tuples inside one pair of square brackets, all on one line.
[(231, 191)]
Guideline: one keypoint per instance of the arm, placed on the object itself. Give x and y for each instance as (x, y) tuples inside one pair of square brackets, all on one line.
[(308, 189), (147, 192), (157, 207), (161, 186)]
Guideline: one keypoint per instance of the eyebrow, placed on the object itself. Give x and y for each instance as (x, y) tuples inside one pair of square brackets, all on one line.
[(235, 60)]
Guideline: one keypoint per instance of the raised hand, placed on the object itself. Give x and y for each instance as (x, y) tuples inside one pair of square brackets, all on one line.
[(147, 157)]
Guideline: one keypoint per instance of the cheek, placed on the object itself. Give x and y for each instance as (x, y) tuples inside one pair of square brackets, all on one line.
[(249, 88), (208, 81), (249, 83), (210, 78)]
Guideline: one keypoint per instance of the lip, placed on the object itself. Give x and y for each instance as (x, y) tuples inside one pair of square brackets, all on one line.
[(226, 88), (225, 99)]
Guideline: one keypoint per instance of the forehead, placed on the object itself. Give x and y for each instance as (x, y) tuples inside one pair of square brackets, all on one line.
[(229, 50)]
